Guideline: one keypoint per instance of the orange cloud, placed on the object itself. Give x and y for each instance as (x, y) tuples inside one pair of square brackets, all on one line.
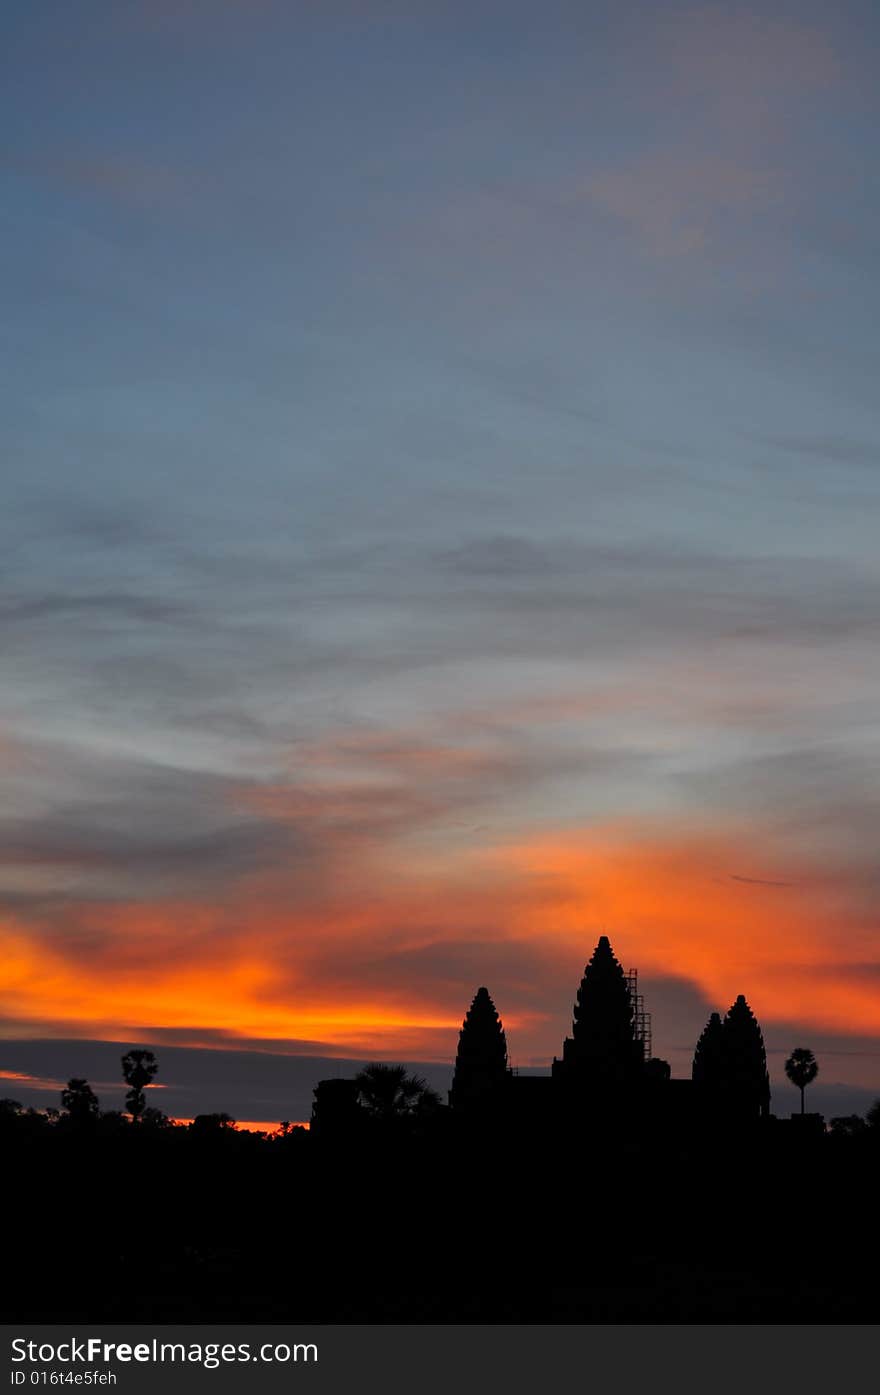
[(382, 961), (33, 1082), (239, 994), (678, 903)]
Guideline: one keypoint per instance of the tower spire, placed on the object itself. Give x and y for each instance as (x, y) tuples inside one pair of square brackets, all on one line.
[(708, 1066), (745, 1060), (481, 1066), (603, 1047)]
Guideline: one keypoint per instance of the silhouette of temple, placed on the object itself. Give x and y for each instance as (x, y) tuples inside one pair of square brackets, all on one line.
[(605, 1050), (607, 1075), (481, 1069), (606, 1071)]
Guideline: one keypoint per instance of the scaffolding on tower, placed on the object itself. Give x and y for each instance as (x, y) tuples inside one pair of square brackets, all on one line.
[(641, 1018)]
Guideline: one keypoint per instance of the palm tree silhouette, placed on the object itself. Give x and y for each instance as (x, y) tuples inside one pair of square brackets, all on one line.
[(802, 1069), (138, 1069), (388, 1093)]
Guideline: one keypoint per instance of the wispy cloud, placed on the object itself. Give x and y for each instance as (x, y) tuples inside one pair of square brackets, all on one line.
[(746, 68), (123, 178), (678, 204), (840, 450)]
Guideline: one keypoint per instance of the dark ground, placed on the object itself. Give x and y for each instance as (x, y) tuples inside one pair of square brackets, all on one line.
[(136, 1224)]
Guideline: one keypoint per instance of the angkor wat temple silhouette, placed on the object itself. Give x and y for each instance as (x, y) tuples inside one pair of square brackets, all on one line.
[(606, 1065), (606, 1074)]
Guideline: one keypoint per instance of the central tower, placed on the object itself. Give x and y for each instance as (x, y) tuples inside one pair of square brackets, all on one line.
[(603, 1050)]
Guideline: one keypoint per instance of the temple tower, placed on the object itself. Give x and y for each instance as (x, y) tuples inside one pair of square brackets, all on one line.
[(708, 1067), (730, 1065), (481, 1068), (746, 1079), (603, 1049)]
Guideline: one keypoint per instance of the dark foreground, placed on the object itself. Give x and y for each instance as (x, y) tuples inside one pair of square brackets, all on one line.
[(165, 1225)]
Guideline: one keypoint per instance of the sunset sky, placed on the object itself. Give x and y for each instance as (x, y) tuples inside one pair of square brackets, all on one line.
[(439, 525)]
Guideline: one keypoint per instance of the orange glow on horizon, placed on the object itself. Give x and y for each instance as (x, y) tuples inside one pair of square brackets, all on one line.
[(254, 1125), (330, 977)]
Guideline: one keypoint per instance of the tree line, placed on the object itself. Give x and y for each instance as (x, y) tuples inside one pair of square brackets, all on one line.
[(383, 1093)]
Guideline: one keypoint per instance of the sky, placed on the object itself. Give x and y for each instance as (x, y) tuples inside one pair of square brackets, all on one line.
[(441, 459)]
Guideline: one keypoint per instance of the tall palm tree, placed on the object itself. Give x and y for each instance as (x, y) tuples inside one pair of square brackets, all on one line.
[(802, 1069), (138, 1069), (387, 1093)]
